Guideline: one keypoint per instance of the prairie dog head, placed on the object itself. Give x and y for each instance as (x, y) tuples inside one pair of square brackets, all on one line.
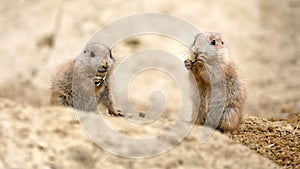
[(99, 55), (210, 45), (95, 57)]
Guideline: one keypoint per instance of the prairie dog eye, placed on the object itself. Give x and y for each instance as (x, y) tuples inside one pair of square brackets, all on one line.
[(222, 43), (93, 54), (213, 42)]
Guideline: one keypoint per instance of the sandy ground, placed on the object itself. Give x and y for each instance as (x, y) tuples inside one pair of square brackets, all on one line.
[(32, 140), (37, 36)]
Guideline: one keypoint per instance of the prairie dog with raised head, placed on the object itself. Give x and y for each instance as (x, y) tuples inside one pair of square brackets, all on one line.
[(208, 63)]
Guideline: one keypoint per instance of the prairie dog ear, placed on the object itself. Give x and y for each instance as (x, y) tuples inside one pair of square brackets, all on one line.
[(213, 35)]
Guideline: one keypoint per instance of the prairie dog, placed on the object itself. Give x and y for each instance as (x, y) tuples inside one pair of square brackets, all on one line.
[(90, 71), (208, 63)]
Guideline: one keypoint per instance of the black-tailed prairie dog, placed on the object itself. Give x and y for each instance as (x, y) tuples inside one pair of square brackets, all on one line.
[(90, 70), (209, 51)]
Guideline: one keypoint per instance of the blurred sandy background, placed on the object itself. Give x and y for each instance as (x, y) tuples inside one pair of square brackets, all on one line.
[(263, 38), (37, 36)]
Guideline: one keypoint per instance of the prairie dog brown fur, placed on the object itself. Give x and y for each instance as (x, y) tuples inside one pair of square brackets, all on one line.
[(211, 64), (85, 77)]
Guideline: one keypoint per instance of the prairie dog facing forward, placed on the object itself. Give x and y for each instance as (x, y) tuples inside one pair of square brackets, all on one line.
[(90, 71), (210, 65)]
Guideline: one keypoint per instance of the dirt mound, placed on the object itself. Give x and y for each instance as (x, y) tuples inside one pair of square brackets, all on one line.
[(277, 139), (52, 138)]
